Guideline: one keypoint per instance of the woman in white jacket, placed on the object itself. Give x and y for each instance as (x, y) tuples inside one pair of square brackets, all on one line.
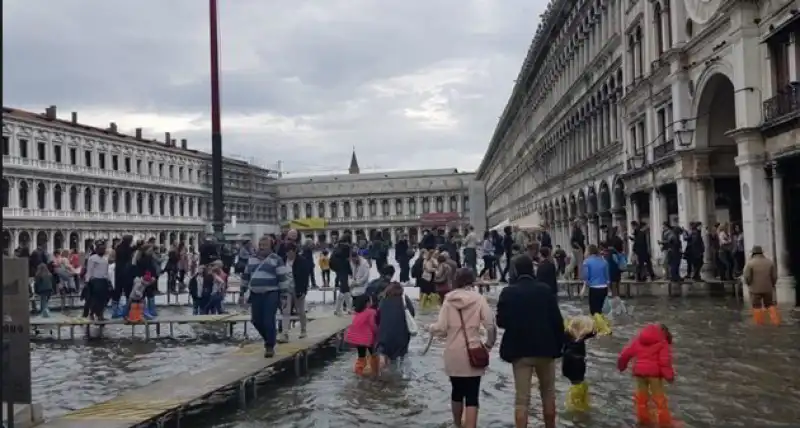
[(360, 268)]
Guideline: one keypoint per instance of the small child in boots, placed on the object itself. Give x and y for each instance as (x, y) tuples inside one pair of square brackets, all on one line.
[(362, 333), (573, 363), (219, 289), (136, 311), (651, 351)]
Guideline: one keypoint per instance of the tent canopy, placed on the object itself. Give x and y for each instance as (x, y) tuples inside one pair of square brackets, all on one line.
[(501, 225), (530, 221)]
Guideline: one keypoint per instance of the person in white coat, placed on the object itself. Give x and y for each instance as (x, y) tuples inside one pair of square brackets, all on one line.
[(360, 268)]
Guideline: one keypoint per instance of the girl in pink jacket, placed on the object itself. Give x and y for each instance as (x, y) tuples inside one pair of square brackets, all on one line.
[(362, 333), (463, 312)]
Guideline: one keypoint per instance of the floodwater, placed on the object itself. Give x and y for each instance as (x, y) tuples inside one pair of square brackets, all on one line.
[(729, 373)]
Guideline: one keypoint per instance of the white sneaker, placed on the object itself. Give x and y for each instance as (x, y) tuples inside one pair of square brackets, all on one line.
[(283, 338)]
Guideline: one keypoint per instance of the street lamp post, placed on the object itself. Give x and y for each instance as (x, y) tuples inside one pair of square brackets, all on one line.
[(218, 222), (685, 135)]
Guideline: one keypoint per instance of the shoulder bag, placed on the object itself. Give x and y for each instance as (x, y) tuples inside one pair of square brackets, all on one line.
[(479, 356)]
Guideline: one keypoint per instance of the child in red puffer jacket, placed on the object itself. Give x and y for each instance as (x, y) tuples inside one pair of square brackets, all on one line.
[(362, 334), (652, 351)]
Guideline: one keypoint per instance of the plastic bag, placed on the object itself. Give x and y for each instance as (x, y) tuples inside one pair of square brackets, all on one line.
[(614, 307)]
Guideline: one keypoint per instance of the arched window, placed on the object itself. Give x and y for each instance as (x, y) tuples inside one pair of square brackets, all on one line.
[(87, 199), (321, 209), (162, 205), (6, 188), (346, 208), (127, 202), (151, 204), (41, 196), (114, 201), (398, 206), (139, 203), (58, 194), (101, 200), (334, 210), (284, 212), (658, 28), (73, 198)]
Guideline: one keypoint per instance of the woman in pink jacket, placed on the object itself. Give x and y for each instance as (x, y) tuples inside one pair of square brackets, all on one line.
[(463, 312)]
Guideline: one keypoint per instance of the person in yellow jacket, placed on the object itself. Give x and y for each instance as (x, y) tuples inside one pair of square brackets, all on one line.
[(324, 263)]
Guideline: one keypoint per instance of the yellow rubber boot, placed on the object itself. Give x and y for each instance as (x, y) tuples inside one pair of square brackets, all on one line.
[(434, 300), (602, 325), (774, 315), (578, 397)]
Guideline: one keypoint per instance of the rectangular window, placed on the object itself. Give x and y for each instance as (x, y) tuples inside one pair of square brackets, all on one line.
[(127, 164), (115, 162), (23, 148), (87, 158), (150, 168), (6, 146), (641, 134), (780, 65), (73, 156), (57, 154), (41, 151), (661, 121), (101, 160), (138, 166)]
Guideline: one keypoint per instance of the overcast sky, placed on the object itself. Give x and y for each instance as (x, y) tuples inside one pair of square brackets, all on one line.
[(410, 84)]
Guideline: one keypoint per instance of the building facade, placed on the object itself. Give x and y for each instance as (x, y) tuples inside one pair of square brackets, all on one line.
[(66, 185), (405, 202), (704, 104), (250, 197)]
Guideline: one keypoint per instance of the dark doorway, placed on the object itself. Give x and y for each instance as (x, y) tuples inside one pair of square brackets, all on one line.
[(791, 200)]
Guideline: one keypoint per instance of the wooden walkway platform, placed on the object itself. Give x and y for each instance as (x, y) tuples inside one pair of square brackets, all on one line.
[(57, 323), (234, 375)]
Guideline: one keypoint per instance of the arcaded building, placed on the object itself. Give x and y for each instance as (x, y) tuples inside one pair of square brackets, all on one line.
[(657, 111)]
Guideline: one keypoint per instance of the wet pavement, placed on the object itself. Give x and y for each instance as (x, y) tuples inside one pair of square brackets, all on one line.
[(729, 373)]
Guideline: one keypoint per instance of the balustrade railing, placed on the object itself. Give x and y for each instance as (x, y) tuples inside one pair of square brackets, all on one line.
[(97, 172), (366, 219), (786, 104), (664, 149), (37, 214)]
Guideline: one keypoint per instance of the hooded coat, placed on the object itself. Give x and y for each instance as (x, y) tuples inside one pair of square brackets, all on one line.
[(393, 334), (474, 309), (651, 352)]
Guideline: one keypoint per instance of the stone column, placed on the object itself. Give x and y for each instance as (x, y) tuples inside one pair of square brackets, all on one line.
[(13, 200), (592, 229), (702, 216), (754, 190), (785, 287), (656, 218), (686, 206)]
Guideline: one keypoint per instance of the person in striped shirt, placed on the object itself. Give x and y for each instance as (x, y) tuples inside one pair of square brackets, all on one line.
[(266, 278)]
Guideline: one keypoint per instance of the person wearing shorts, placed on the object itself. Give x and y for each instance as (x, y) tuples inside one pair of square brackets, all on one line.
[(534, 337)]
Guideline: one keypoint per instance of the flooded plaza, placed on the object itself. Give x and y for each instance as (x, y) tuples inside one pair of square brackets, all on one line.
[(729, 372)]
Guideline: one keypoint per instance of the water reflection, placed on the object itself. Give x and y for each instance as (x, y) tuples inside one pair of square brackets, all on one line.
[(70, 377), (729, 373)]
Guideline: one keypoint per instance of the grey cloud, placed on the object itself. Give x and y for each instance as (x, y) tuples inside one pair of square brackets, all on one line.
[(309, 60)]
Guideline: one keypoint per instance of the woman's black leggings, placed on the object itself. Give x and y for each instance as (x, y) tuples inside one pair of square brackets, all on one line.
[(465, 390), (488, 266), (363, 351), (597, 297)]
